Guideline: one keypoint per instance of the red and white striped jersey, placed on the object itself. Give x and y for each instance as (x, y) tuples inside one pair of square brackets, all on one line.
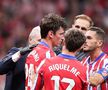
[(100, 62), (38, 54), (63, 72)]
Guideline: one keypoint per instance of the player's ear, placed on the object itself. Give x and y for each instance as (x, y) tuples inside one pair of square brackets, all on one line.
[(100, 43), (50, 34)]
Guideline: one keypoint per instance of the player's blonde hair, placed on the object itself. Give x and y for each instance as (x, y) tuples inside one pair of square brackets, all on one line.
[(83, 16)]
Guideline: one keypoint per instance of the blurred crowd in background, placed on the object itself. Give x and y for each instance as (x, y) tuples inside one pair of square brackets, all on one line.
[(18, 17)]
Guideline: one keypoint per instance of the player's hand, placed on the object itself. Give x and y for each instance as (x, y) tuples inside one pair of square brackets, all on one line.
[(26, 49)]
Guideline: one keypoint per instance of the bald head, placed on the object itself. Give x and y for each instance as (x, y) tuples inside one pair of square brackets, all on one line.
[(34, 36)]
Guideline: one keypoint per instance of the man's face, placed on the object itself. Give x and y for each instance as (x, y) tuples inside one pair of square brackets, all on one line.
[(91, 41), (82, 25), (58, 37)]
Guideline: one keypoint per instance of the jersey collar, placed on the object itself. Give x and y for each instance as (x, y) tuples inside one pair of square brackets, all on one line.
[(98, 58), (44, 43), (67, 56)]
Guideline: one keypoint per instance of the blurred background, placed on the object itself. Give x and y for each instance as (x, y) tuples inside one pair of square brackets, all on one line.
[(18, 17)]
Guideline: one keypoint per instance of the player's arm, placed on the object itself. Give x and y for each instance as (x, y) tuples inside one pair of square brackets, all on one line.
[(99, 77), (9, 61), (6, 63)]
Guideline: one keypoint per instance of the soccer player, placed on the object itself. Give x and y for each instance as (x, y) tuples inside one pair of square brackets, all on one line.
[(64, 72), (13, 64), (97, 61), (52, 32), (82, 23)]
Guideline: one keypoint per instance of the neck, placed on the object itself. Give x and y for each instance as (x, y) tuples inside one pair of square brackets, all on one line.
[(94, 54), (47, 41), (65, 51)]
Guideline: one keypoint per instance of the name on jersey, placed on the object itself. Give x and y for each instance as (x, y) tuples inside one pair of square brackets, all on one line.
[(65, 67)]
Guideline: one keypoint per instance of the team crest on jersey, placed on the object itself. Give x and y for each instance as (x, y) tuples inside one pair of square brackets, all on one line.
[(106, 64)]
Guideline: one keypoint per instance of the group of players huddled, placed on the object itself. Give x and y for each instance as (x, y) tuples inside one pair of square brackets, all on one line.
[(58, 57)]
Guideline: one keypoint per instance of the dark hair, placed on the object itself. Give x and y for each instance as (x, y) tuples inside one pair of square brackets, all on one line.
[(74, 39), (99, 32), (51, 22)]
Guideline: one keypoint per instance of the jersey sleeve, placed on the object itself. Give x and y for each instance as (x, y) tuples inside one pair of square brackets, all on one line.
[(104, 73), (104, 70)]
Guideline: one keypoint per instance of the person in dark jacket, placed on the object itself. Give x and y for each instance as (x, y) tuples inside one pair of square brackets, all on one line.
[(13, 64)]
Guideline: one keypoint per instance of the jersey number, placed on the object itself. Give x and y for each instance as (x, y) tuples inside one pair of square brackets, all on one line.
[(64, 80)]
